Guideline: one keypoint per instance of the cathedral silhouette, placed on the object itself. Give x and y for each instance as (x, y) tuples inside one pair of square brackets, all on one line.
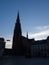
[(28, 47)]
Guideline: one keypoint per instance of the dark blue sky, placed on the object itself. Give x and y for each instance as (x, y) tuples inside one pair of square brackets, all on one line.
[(34, 17)]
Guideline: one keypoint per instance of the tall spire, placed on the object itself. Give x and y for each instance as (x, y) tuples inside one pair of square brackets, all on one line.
[(17, 37), (18, 18)]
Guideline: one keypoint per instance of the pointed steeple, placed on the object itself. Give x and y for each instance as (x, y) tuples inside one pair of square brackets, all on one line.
[(17, 37), (18, 18)]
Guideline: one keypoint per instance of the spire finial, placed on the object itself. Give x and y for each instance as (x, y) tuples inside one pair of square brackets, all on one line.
[(18, 14), (18, 18), (27, 34)]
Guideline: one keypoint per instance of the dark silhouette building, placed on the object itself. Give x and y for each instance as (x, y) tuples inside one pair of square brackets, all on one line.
[(17, 38), (2, 46), (28, 47)]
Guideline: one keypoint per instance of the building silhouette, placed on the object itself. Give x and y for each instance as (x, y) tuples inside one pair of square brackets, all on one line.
[(2, 46), (25, 46), (17, 37), (29, 47)]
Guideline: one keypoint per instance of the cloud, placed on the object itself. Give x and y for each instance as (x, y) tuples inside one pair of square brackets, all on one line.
[(8, 44), (39, 35), (43, 32), (42, 27)]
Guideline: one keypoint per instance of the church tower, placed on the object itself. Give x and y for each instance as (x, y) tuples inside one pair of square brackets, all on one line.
[(17, 37)]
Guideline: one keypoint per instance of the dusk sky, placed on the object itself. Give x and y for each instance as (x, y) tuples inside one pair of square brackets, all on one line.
[(34, 18)]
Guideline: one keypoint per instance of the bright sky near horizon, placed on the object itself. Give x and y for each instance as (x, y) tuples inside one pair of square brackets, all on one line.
[(34, 18)]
